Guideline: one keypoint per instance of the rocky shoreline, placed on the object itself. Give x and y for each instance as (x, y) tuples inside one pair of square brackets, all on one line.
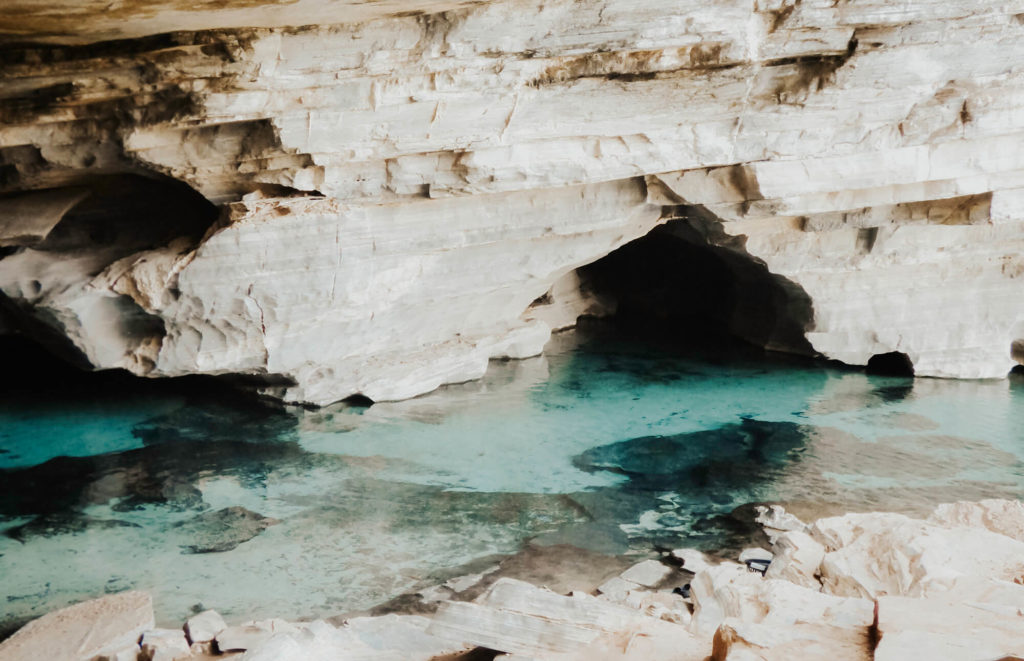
[(859, 586)]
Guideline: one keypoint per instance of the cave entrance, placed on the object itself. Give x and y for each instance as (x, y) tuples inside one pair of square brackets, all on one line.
[(675, 283)]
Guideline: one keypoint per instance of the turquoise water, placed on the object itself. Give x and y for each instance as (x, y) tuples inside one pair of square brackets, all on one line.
[(605, 443)]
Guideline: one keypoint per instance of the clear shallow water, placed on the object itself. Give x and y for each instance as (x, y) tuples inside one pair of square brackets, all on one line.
[(605, 443)]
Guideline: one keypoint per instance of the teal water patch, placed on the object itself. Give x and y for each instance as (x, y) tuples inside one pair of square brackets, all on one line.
[(605, 443)]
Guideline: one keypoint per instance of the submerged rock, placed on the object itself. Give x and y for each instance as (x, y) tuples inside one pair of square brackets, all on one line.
[(64, 523), (733, 452), (223, 529)]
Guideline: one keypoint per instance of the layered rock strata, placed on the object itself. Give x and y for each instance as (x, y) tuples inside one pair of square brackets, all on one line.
[(342, 198)]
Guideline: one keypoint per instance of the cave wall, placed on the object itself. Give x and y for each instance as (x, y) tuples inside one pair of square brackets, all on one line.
[(398, 186)]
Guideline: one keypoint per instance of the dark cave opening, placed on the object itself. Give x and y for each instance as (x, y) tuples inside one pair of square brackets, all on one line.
[(893, 363), (130, 212), (91, 223), (675, 284)]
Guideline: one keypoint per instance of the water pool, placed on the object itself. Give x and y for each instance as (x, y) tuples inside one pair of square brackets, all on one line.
[(606, 443)]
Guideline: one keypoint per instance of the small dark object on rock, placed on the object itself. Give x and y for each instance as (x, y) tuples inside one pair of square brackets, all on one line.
[(759, 565), (683, 591)]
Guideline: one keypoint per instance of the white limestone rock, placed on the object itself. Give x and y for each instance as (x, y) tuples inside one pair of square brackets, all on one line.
[(527, 621), (693, 560), (1005, 517), (743, 641), (127, 652), (205, 626), (729, 591), (164, 645), (870, 555), (407, 189), (101, 627), (648, 573), (775, 520), (251, 634), (979, 620), (797, 559)]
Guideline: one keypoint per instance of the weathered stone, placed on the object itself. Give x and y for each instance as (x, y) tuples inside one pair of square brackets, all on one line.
[(1005, 517), (744, 641), (869, 555), (205, 626), (693, 560), (731, 592), (523, 620), (251, 634), (976, 621), (404, 197), (98, 627), (776, 520), (129, 652), (164, 645), (648, 573), (797, 559)]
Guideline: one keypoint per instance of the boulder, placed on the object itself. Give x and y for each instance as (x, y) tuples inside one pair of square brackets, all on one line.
[(797, 559), (205, 626), (776, 520), (250, 634), (870, 555), (648, 573), (165, 645), (100, 627), (730, 592), (1005, 517), (520, 619), (223, 530), (128, 652), (693, 560), (744, 641), (975, 621)]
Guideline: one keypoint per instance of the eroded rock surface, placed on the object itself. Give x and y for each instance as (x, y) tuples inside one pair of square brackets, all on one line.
[(348, 198)]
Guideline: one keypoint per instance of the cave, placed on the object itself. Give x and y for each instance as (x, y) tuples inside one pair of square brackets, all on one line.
[(893, 363), (677, 283), (130, 212), (66, 235)]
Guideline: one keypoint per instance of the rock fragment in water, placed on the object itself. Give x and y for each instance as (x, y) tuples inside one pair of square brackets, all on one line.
[(164, 645), (224, 529), (99, 627)]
